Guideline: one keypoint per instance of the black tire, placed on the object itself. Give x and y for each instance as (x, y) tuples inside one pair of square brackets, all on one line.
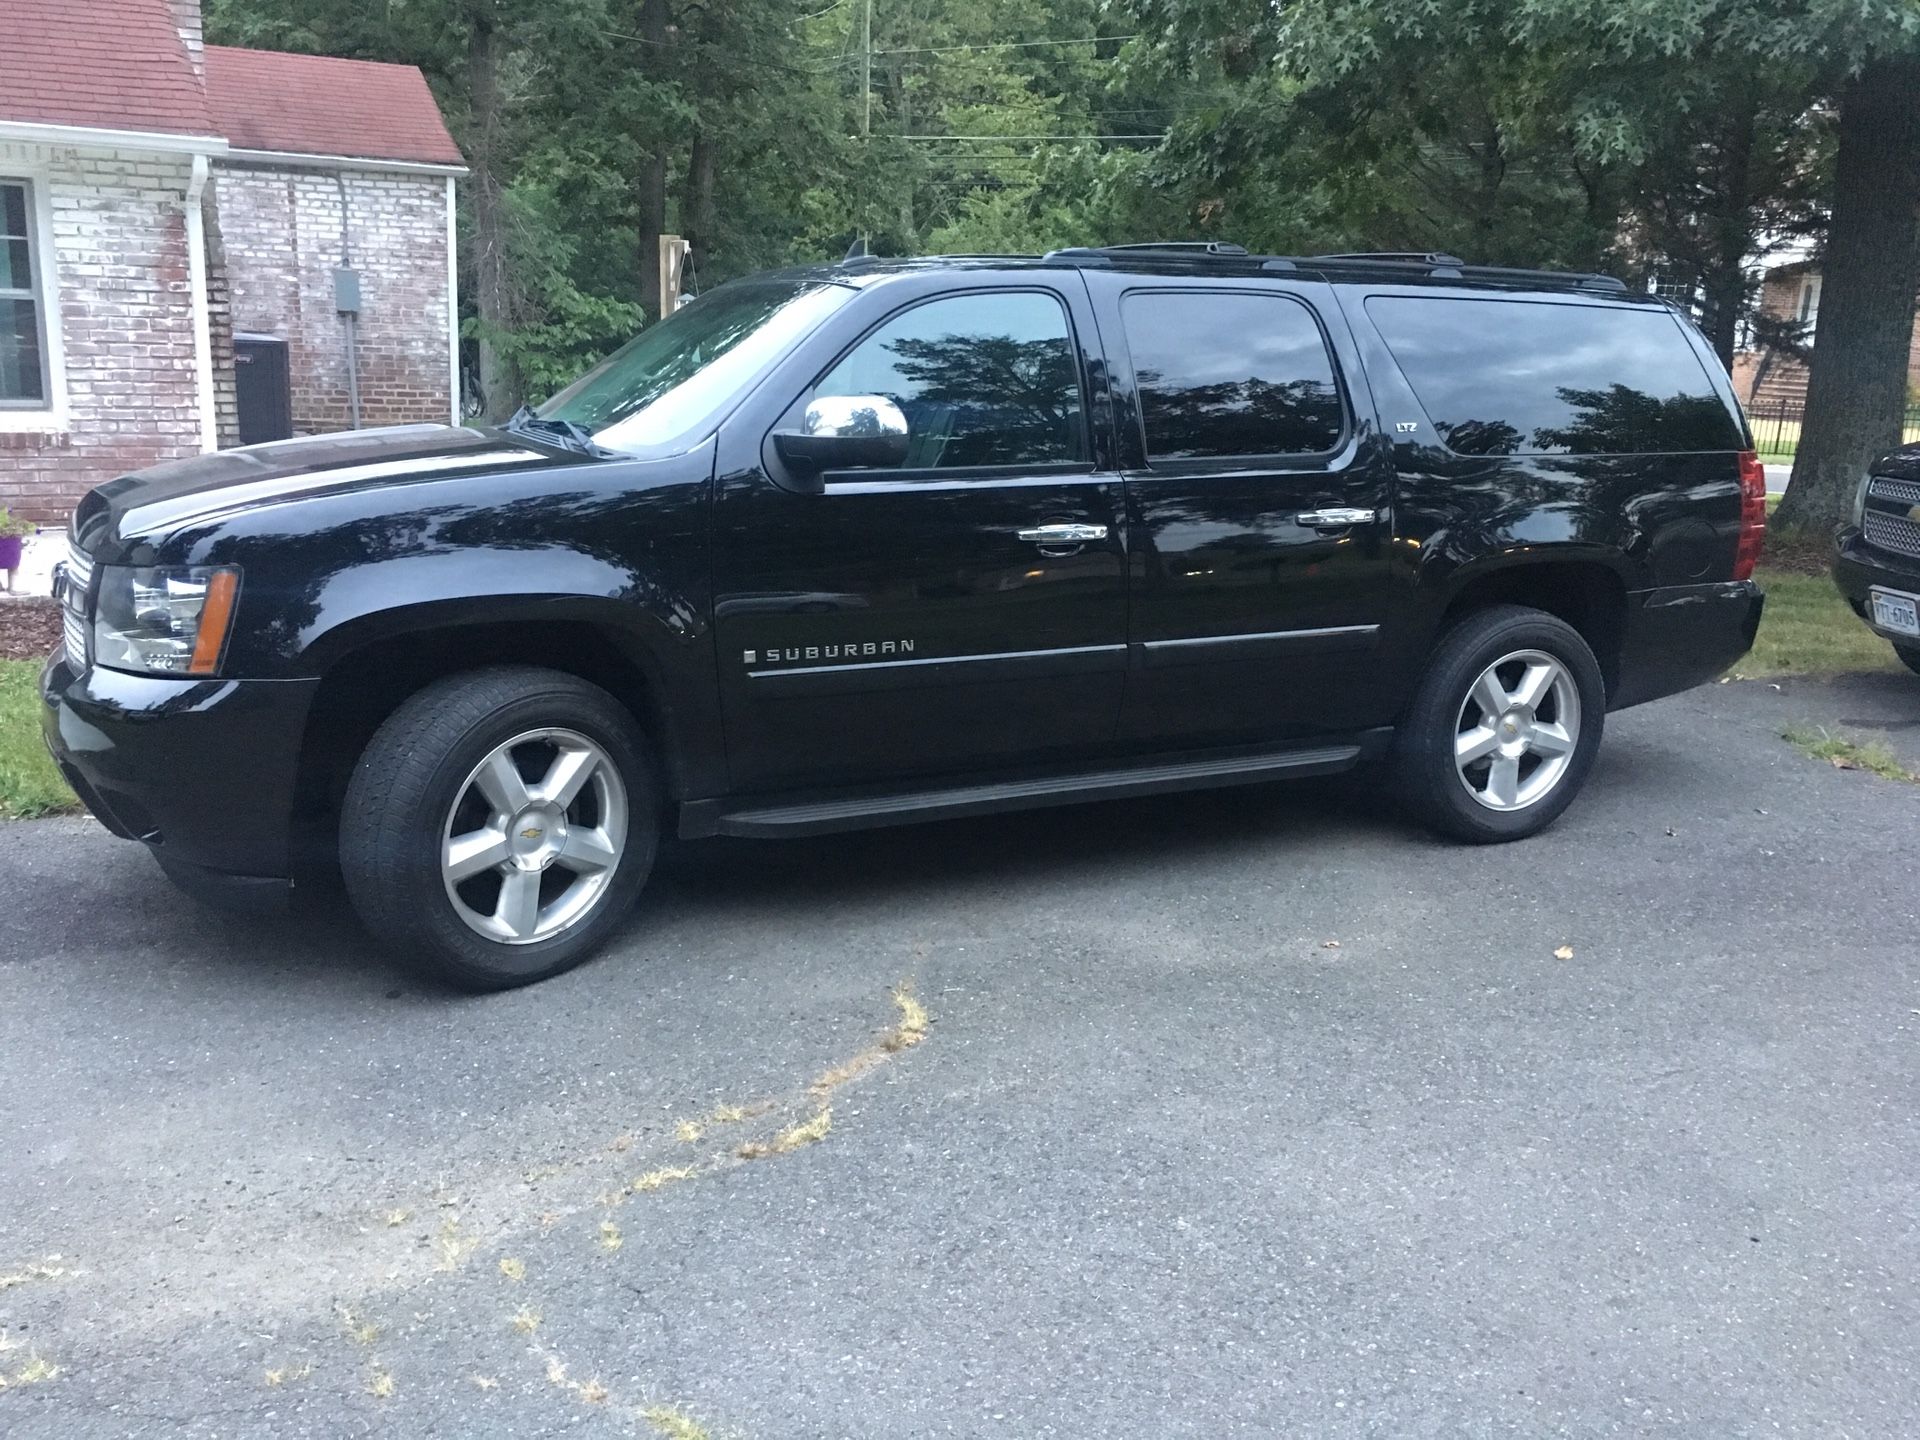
[(1431, 785), (1909, 656), (402, 797)]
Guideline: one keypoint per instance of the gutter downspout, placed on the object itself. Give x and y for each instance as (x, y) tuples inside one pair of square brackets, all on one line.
[(453, 305), (202, 305), (349, 318)]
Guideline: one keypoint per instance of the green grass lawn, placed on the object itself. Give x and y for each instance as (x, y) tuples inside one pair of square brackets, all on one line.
[(1778, 440), (29, 783), (1809, 630)]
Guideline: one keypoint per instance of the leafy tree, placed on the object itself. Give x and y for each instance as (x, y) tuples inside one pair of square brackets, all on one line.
[(1672, 99), (1861, 59), (1637, 135)]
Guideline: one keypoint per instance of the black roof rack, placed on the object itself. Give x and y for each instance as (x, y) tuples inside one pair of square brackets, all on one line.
[(1436, 263), (1173, 249), (1190, 248), (1398, 257), (1440, 264)]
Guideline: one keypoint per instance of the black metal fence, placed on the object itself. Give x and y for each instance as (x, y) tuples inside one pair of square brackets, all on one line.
[(1776, 428)]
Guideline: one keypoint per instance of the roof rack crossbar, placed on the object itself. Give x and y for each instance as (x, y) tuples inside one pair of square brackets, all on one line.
[(1185, 247), (1408, 257), (1225, 249)]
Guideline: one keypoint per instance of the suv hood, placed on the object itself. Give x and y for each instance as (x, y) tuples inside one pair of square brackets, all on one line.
[(179, 491), (1902, 464)]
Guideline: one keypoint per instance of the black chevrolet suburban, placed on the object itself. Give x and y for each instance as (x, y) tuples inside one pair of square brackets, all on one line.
[(1876, 560), (887, 541)]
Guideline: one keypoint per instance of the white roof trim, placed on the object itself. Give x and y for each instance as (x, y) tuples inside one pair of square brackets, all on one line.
[(34, 133), (343, 162)]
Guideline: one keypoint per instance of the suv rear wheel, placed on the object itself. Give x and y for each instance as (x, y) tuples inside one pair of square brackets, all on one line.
[(1504, 727), (499, 825)]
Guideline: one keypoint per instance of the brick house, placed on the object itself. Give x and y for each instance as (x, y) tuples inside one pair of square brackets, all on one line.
[(173, 216), (1769, 381)]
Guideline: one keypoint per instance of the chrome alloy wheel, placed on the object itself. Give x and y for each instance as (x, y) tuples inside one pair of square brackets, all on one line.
[(534, 836), (1517, 730)]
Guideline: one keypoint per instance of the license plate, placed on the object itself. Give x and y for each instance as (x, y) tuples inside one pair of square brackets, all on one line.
[(1895, 612)]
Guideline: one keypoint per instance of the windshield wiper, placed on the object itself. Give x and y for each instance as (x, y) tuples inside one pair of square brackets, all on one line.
[(565, 433)]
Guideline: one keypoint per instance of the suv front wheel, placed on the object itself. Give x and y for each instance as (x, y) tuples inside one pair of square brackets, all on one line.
[(499, 825), (1504, 727)]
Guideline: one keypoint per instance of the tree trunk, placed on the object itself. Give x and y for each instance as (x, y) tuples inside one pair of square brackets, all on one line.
[(652, 184), (1723, 279), (903, 112), (650, 181), (697, 206), (1724, 289), (497, 386), (1858, 387), (1492, 160)]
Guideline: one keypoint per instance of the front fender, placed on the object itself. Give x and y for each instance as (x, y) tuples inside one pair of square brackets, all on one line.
[(388, 599), (606, 557)]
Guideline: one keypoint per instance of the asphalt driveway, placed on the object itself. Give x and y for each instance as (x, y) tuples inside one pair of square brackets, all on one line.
[(1167, 1160)]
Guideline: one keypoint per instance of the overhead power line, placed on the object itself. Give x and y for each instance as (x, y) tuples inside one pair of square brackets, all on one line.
[(1157, 135), (1005, 45)]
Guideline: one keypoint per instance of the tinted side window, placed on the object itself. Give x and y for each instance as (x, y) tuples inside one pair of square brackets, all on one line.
[(1231, 374), (985, 379), (1509, 377)]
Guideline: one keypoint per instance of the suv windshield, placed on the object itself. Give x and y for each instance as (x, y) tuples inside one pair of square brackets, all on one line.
[(657, 393)]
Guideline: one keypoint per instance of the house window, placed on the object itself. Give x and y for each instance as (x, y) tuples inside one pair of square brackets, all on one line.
[(1810, 302), (23, 365)]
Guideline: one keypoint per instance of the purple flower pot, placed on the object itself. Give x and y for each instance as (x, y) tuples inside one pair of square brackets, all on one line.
[(11, 548)]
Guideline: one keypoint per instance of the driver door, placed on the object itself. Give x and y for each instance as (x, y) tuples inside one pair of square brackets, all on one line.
[(925, 618)]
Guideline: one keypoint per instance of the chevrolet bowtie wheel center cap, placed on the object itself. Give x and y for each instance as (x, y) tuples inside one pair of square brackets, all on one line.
[(537, 837)]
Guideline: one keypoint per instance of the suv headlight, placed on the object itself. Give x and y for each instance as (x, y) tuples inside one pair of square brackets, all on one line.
[(168, 620)]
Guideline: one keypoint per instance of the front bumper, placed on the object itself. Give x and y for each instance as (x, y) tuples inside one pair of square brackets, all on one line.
[(1682, 636), (201, 771), (1857, 568)]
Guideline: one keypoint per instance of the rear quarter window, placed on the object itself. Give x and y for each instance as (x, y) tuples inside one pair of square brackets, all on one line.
[(1514, 377)]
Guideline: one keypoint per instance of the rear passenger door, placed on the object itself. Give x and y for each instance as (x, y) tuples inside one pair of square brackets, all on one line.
[(1258, 494)]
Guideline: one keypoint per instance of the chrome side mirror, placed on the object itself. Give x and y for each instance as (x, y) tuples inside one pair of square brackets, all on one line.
[(845, 432)]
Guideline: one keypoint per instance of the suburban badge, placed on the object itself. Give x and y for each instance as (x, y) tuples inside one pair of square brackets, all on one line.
[(828, 654)]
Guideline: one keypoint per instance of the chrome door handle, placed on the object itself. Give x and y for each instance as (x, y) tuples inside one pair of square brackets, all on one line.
[(1063, 534), (1335, 519)]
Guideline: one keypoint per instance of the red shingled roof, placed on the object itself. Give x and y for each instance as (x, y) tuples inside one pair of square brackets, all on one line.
[(106, 64), (316, 105)]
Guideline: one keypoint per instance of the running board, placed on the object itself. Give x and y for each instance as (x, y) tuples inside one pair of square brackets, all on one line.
[(701, 818)]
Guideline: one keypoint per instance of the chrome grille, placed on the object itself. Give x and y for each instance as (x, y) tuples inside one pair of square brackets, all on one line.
[(1891, 532), (79, 568), (1885, 487), (74, 633), (74, 601)]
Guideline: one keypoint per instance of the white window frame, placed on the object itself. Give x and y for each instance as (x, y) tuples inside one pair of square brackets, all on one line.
[(1807, 312), (51, 414)]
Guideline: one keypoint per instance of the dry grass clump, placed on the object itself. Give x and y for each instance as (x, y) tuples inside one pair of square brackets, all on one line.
[(794, 1137)]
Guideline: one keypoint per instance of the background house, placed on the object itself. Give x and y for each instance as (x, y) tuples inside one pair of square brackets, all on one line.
[(173, 216), (1772, 381)]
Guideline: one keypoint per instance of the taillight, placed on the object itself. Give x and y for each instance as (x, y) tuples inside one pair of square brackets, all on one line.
[(1753, 514)]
